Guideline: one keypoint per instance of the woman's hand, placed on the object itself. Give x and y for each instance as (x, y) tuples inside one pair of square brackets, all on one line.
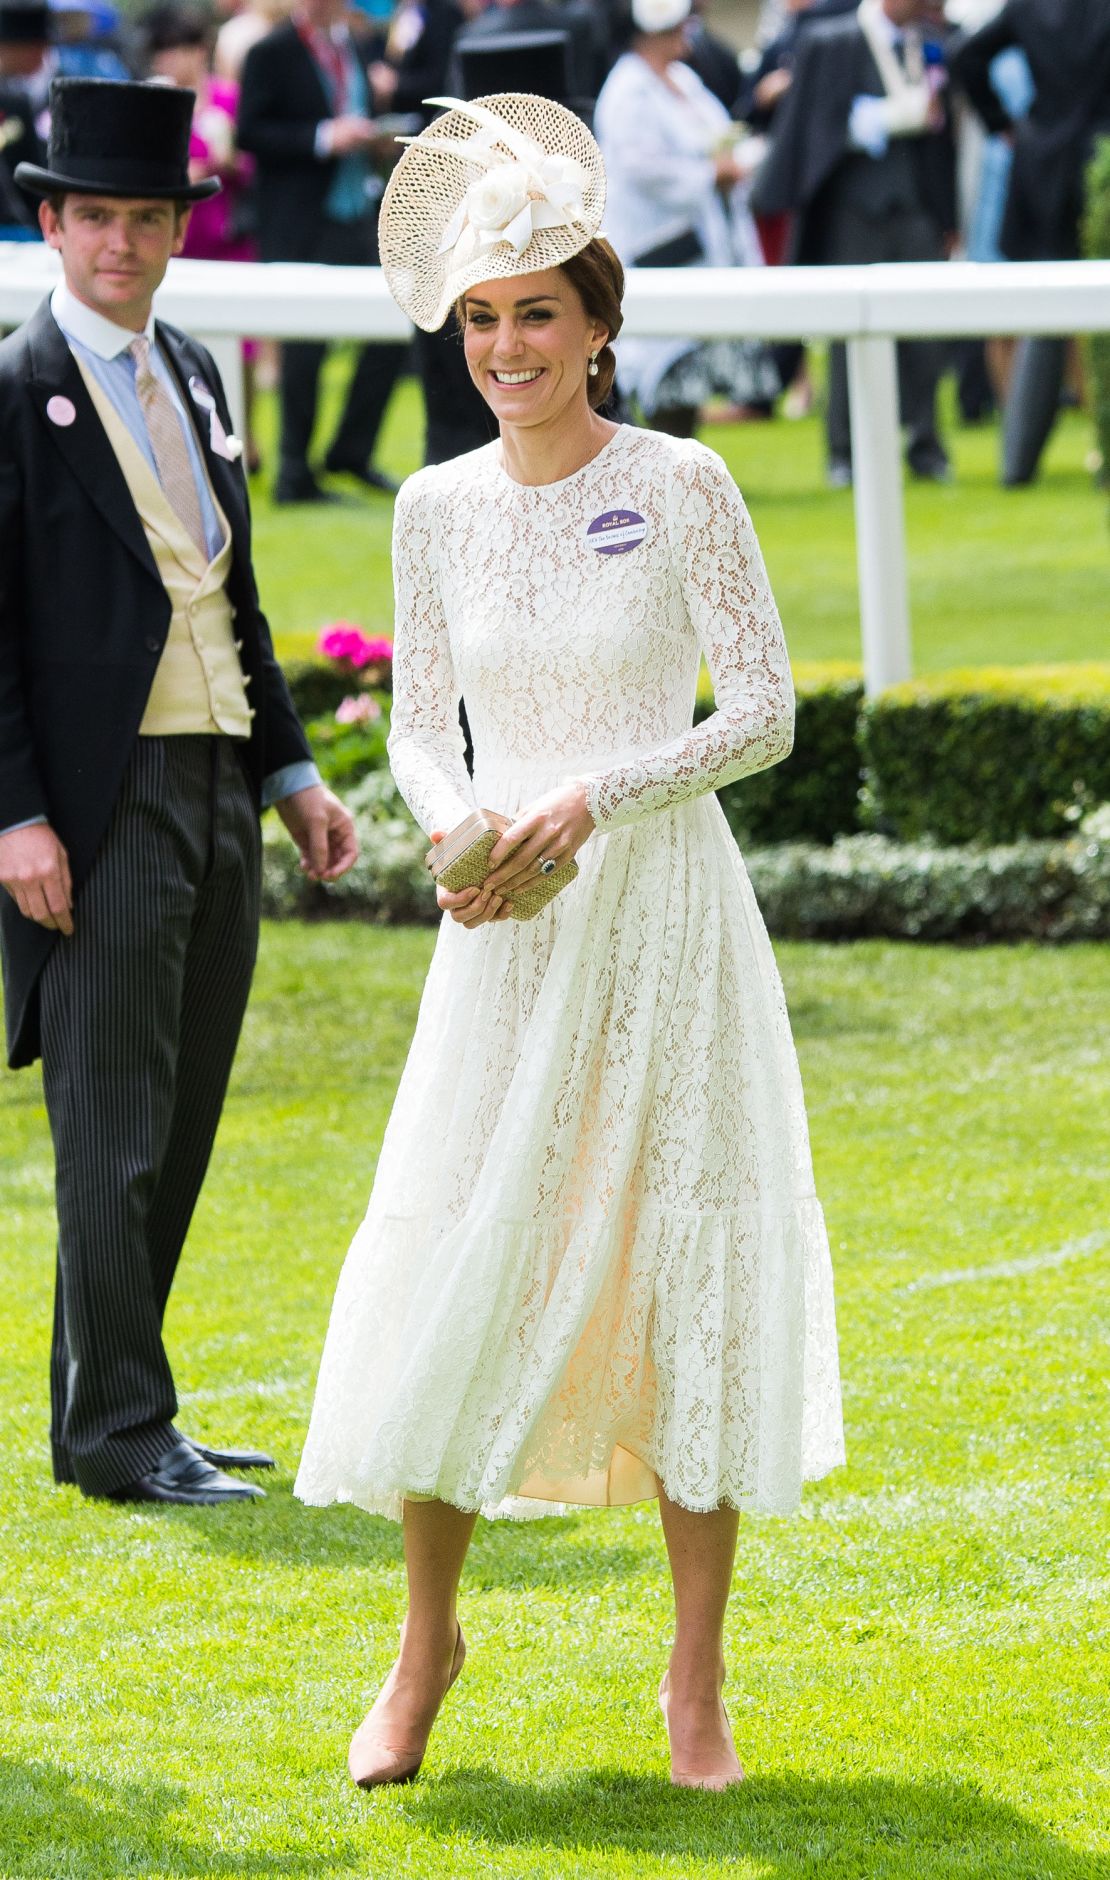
[(551, 829), (471, 907)]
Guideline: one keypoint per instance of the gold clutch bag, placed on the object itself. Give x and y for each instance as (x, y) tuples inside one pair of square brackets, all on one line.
[(461, 860)]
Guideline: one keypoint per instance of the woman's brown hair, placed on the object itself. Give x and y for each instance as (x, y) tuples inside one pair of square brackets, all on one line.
[(597, 277)]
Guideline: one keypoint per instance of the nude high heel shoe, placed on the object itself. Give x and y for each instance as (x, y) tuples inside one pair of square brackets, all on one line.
[(376, 1757), (722, 1771)]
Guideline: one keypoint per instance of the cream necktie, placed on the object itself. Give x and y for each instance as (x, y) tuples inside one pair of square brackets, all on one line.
[(175, 472)]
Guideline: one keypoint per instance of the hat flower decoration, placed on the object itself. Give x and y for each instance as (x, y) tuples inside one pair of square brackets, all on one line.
[(502, 186)]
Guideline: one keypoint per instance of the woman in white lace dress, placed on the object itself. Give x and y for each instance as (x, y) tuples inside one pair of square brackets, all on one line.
[(593, 1269)]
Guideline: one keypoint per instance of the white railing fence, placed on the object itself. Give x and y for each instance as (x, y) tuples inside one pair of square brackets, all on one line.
[(868, 307)]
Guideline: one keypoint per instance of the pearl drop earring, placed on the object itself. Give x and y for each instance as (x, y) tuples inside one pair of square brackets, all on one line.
[(593, 368)]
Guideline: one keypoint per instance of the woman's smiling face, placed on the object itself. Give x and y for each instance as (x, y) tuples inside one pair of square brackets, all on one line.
[(528, 342)]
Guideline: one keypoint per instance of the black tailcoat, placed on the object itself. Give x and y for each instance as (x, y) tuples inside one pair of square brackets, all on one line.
[(282, 101), (84, 617), (1067, 44), (809, 143)]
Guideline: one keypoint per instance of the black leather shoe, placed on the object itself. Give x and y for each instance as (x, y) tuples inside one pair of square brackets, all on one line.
[(363, 473), (305, 491), (932, 469), (233, 1458), (184, 1477)]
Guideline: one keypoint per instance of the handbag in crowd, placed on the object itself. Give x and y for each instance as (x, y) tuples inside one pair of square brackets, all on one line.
[(681, 251), (461, 860)]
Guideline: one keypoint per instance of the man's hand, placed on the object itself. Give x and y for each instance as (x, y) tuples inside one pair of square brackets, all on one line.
[(34, 868), (350, 133), (773, 87), (383, 84), (323, 831)]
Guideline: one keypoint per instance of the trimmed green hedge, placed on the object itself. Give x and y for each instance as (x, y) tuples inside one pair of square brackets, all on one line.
[(980, 755), (990, 755), (813, 795), (866, 887), (317, 686), (1096, 241), (861, 885)]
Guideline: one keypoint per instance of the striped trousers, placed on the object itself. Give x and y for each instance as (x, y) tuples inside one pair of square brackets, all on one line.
[(141, 1012)]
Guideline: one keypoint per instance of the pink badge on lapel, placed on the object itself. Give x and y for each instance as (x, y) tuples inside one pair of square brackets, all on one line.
[(61, 410)]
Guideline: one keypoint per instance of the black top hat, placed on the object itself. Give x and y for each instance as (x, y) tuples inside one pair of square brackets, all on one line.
[(534, 62), (110, 138), (27, 25)]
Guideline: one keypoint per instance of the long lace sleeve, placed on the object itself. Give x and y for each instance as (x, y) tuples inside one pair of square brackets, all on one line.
[(426, 745), (733, 613)]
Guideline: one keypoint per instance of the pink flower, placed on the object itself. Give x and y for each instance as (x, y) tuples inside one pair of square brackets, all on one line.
[(359, 710), (348, 646), (341, 641)]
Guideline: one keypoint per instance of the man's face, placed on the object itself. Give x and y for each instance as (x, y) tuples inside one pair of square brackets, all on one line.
[(903, 12), (21, 60), (114, 252), (323, 13)]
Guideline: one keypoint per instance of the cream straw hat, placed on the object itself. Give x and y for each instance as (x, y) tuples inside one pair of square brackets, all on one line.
[(503, 186), (659, 16)]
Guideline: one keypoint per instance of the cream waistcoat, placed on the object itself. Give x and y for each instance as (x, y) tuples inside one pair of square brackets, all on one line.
[(199, 683)]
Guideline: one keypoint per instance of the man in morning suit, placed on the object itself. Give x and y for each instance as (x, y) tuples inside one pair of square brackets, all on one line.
[(303, 115), (143, 723), (862, 155), (24, 43), (1067, 44)]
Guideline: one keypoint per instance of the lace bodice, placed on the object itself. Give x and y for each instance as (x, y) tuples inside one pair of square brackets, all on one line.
[(572, 617)]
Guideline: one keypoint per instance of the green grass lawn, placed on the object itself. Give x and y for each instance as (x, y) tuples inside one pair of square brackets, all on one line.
[(918, 1663), (1006, 576)]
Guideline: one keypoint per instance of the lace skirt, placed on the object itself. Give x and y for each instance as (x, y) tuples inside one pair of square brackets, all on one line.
[(593, 1261)]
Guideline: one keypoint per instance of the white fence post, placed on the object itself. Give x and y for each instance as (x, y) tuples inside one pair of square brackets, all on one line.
[(880, 524)]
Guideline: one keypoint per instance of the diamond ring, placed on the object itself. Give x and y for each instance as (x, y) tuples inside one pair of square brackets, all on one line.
[(547, 867)]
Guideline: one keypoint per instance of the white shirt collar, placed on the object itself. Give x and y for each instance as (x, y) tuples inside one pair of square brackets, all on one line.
[(102, 337)]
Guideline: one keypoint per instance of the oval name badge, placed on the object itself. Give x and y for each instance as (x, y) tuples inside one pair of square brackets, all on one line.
[(61, 410), (615, 532)]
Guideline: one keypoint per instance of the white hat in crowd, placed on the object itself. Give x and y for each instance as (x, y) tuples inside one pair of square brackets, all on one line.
[(503, 186), (659, 16)]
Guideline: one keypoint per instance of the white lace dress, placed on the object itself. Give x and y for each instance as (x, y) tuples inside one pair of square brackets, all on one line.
[(593, 1260)]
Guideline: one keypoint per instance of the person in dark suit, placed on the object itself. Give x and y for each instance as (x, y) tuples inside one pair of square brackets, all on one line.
[(24, 41), (143, 723), (416, 56), (765, 78), (713, 59), (414, 69), (862, 155), (304, 115), (1067, 45)]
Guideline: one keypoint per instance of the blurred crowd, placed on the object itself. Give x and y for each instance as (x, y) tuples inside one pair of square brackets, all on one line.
[(851, 131)]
